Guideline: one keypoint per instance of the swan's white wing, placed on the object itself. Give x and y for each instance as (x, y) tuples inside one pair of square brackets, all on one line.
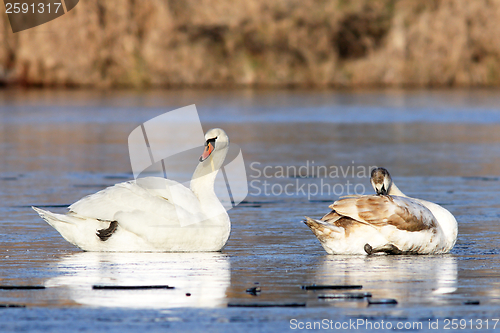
[(172, 191), (160, 198), (378, 210)]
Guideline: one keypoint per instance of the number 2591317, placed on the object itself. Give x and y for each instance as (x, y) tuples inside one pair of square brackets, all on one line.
[(40, 8)]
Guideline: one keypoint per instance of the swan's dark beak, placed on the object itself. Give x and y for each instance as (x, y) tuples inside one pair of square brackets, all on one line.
[(209, 148), (382, 190)]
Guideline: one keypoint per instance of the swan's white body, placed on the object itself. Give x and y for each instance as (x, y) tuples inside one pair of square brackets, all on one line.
[(386, 222), (152, 214)]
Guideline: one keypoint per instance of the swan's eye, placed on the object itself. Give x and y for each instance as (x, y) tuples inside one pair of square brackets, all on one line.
[(209, 148), (212, 141)]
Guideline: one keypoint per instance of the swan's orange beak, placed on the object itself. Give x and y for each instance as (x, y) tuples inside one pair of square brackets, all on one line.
[(209, 148)]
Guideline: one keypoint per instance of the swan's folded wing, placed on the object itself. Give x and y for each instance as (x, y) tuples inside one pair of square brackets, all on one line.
[(403, 213), (331, 217), (104, 204), (172, 191), (153, 195)]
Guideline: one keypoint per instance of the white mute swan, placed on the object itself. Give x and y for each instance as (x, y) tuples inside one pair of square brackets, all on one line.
[(388, 222), (152, 214)]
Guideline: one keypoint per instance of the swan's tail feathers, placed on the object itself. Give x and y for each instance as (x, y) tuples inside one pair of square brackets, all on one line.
[(324, 230), (52, 218), (66, 225)]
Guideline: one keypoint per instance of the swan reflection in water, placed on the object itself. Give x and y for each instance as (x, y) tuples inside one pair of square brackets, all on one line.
[(409, 279), (200, 279)]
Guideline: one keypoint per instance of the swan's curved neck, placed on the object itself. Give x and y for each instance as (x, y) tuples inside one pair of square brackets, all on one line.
[(396, 191), (202, 183)]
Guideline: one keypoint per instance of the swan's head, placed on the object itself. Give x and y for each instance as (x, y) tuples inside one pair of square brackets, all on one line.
[(381, 181), (216, 140)]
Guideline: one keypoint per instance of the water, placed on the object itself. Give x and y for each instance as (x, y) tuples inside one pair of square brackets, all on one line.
[(443, 146)]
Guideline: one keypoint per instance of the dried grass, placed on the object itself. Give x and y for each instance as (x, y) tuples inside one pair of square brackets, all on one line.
[(261, 43)]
